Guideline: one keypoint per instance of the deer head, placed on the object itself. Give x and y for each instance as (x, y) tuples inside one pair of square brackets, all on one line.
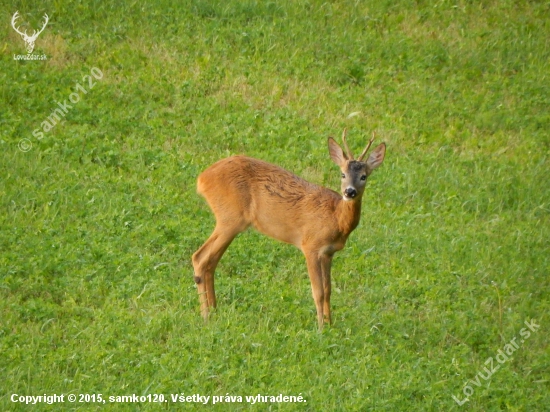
[(355, 171), (29, 40)]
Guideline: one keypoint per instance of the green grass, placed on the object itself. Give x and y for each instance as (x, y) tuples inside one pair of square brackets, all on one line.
[(99, 219)]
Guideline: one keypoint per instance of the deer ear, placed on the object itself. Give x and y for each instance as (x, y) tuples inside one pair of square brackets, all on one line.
[(376, 157), (336, 153)]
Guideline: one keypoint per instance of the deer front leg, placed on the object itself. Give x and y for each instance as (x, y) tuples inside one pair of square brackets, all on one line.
[(314, 268), (326, 263)]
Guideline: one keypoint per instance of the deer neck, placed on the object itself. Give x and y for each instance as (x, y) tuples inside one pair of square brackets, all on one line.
[(349, 213)]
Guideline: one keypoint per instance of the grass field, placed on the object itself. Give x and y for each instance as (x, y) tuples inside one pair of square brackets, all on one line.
[(99, 213)]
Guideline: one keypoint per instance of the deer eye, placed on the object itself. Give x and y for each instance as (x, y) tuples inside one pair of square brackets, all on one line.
[(364, 177), (343, 175)]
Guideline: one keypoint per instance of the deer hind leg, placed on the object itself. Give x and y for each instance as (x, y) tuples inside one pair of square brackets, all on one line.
[(205, 260)]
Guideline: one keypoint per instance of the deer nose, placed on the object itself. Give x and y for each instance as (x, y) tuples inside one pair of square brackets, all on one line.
[(350, 192)]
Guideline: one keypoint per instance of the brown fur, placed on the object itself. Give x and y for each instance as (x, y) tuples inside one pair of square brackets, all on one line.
[(244, 192)]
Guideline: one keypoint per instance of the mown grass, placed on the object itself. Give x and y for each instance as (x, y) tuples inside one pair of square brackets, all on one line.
[(99, 219)]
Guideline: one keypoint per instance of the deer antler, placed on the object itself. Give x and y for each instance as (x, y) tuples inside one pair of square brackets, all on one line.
[(348, 152), (15, 17), (367, 148)]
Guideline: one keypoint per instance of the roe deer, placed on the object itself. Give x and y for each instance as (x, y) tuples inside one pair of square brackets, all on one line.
[(243, 192)]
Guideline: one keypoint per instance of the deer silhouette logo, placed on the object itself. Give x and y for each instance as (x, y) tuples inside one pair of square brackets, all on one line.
[(29, 40)]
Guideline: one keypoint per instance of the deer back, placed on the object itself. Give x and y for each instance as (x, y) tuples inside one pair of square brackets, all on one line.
[(268, 197)]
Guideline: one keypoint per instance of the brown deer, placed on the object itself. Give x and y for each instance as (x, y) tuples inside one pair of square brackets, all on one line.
[(243, 192)]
